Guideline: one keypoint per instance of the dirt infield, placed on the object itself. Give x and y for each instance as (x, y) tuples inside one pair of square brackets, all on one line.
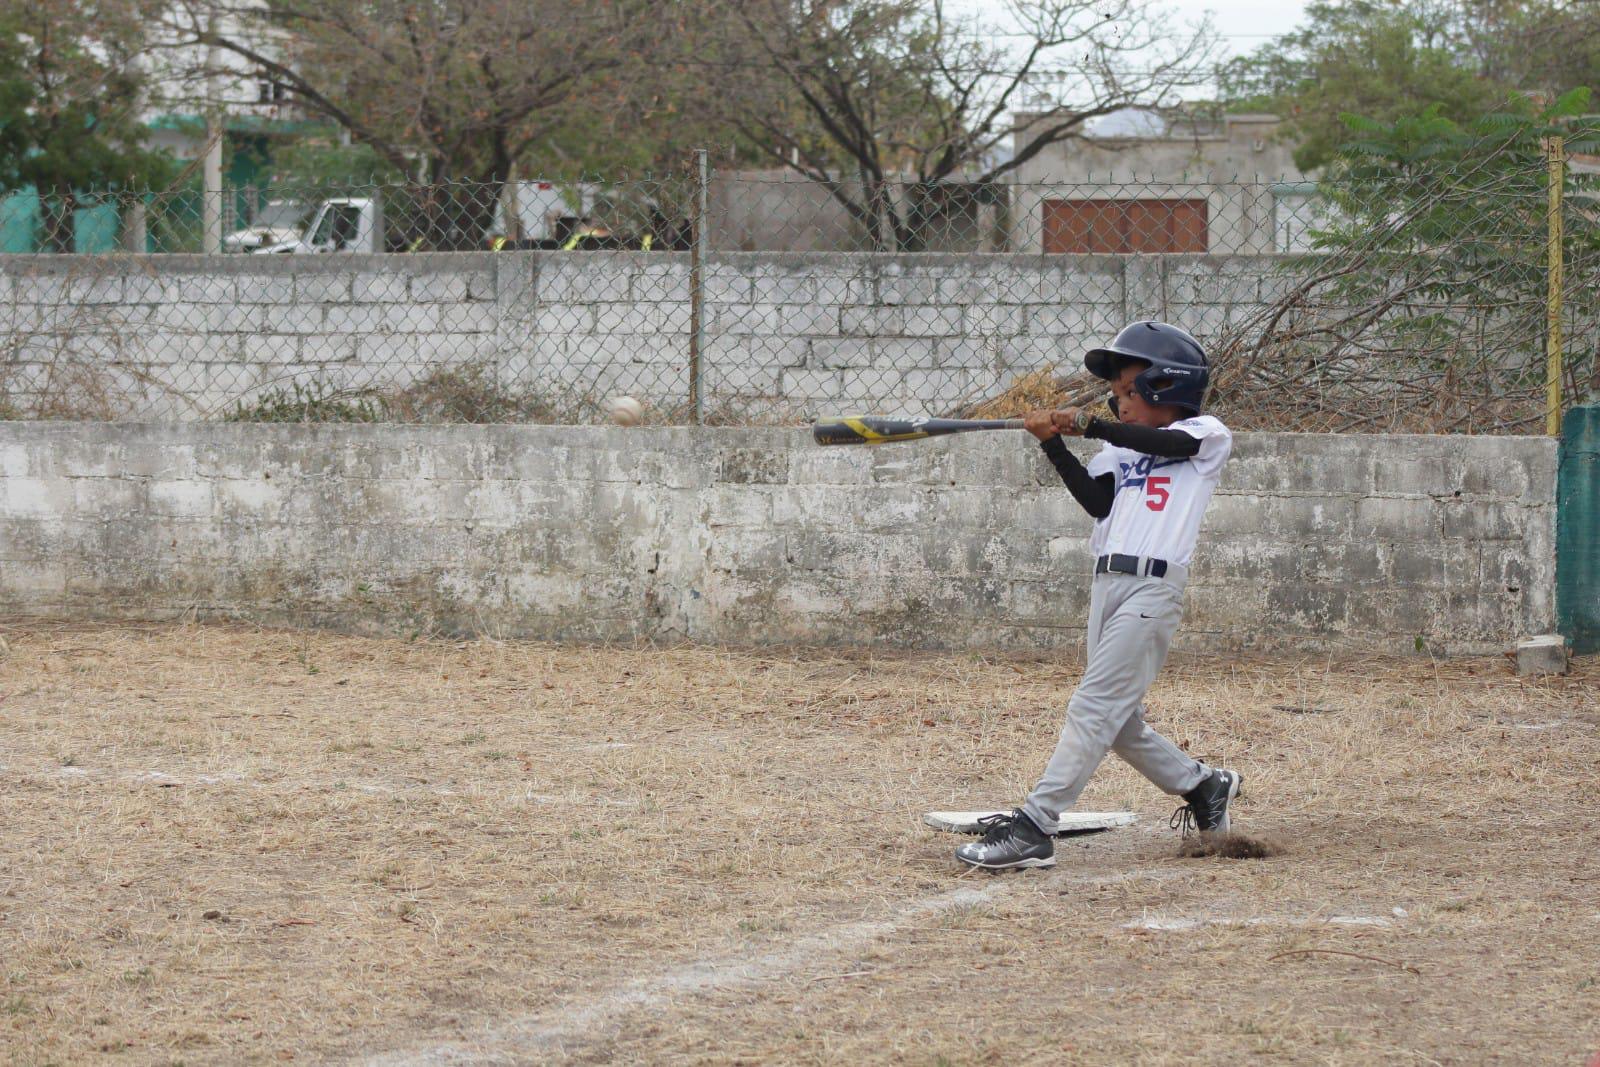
[(225, 845)]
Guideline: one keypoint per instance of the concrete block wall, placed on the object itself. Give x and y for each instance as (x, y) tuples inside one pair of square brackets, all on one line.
[(189, 337), (755, 536)]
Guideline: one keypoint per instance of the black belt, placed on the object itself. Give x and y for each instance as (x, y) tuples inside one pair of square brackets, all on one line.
[(1119, 564)]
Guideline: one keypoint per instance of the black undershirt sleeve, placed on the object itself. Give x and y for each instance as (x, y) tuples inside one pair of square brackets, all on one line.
[(1093, 494), (1172, 444)]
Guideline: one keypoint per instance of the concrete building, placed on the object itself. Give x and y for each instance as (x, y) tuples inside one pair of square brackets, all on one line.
[(255, 113), (782, 211), (1143, 181)]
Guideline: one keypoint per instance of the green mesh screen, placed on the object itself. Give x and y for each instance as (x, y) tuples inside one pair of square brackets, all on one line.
[(1578, 530)]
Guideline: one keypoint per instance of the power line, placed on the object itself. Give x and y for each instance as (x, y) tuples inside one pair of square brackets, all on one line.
[(1023, 35), (1177, 70)]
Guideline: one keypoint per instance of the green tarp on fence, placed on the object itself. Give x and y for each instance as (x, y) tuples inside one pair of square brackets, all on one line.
[(94, 229), (1578, 530)]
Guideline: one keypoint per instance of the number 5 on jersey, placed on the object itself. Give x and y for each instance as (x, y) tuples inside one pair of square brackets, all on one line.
[(1156, 492)]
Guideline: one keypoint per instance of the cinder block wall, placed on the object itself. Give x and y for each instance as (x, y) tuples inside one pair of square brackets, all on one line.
[(734, 535), (188, 337)]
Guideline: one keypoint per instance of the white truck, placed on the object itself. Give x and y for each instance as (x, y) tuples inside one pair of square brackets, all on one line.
[(346, 224), (357, 224), (537, 207), (277, 221)]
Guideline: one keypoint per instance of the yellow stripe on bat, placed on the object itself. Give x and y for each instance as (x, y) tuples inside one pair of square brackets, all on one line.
[(873, 437)]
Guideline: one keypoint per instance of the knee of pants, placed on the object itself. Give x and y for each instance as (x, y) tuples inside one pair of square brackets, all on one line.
[(1133, 727), (1093, 719), (1130, 737)]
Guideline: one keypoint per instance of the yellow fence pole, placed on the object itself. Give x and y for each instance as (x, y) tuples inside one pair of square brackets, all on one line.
[(1556, 158)]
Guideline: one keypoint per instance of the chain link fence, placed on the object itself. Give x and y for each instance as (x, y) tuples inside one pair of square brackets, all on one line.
[(737, 297)]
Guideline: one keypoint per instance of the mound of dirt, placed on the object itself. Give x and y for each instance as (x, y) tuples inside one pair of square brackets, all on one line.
[(1229, 847)]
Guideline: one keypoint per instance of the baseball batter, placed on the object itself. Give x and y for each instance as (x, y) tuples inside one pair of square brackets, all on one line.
[(1147, 489)]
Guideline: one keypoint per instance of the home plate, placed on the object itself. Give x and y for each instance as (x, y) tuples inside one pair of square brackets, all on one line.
[(1072, 822)]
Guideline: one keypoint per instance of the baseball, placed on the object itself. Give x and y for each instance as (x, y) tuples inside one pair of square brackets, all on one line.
[(626, 411)]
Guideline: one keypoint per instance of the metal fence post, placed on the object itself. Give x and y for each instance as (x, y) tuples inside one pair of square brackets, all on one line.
[(1556, 159), (697, 287), (211, 205)]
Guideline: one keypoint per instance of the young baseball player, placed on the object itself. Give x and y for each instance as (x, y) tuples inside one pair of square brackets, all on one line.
[(1147, 489)]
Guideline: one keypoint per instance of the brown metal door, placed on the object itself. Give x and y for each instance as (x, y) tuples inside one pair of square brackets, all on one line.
[(1122, 226)]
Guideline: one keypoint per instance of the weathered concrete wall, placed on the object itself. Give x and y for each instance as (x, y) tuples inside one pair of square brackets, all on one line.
[(755, 536), (758, 210), (188, 337)]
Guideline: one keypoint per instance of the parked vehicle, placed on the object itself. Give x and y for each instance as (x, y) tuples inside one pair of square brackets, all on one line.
[(346, 224), (277, 222), (537, 209), (361, 224), (408, 223)]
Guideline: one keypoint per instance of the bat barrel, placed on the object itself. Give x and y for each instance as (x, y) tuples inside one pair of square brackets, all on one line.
[(878, 430), (835, 433)]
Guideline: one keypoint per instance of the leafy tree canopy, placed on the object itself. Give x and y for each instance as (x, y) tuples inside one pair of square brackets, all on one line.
[(1427, 303), (70, 93), (1383, 59), (69, 97)]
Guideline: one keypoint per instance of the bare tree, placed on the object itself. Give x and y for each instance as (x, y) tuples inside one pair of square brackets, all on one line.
[(859, 94), (451, 92)]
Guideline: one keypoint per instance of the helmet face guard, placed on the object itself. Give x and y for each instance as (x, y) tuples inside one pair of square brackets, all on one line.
[(1176, 371)]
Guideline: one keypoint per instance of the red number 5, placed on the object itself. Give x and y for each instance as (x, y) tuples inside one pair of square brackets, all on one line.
[(1157, 488)]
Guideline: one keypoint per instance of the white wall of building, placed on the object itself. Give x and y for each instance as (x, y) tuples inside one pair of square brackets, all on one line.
[(1237, 164)]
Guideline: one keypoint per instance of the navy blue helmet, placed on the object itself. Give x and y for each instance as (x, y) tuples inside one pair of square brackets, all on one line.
[(1177, 373)]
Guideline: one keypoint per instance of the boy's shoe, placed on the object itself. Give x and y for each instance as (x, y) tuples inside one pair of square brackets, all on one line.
[(1207, 810), (1009, 841)]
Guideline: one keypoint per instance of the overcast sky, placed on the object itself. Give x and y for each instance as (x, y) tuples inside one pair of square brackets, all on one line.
[(1243, 24)]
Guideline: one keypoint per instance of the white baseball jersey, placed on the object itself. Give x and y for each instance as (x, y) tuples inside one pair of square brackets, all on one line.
[(1160, 501)]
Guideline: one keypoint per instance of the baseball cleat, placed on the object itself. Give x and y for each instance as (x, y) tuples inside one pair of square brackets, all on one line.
[(1207, 810), (1009, 840)]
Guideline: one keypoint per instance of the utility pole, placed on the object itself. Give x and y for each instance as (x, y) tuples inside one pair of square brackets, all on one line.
[(211, 209), (1556, 159)]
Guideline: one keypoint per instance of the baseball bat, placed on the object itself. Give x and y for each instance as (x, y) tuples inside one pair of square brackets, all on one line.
[(879, 430)]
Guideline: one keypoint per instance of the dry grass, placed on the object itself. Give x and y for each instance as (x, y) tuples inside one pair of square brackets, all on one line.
[(1041, 389), (224, 845)]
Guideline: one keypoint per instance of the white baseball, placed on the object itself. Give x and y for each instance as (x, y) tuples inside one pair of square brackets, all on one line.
[(626, 411)]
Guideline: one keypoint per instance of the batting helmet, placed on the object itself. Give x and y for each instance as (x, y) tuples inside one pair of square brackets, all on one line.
[(1177, 373)]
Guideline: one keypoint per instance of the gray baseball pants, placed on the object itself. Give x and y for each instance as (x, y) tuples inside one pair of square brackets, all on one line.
[(1131, 623)]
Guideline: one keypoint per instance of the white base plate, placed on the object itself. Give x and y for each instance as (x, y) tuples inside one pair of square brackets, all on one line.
[(1072, 822)]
